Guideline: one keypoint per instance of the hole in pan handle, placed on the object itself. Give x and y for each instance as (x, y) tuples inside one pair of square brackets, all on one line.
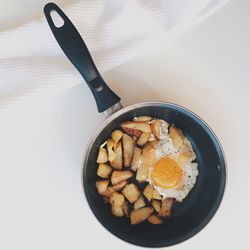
[(77, 52)]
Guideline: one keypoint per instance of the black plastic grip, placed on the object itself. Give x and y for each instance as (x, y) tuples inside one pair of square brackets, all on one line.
[(77, 52)]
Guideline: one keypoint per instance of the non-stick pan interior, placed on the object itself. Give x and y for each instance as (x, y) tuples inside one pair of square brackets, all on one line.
[(195, 211)]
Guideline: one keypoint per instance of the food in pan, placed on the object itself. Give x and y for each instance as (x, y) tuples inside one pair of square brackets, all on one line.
[(176, 152), (144, 168)]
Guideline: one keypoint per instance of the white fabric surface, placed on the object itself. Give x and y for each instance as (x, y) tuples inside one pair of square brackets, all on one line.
[(115, 31)]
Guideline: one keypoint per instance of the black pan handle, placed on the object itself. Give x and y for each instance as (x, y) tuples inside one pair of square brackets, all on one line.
[(76, 50)]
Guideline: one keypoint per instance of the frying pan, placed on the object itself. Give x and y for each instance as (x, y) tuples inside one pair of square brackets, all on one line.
[(197, 209)]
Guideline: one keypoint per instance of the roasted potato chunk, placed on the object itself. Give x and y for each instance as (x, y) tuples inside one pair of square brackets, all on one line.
[(116, 136), (143, 139), (102, 186), (110, 148), (142, 173), (186, 156), (131, 192), (154, 144), (117, 211), (116, 199), (152, 138), (153, 219), (146, 160), (108, 192), (136, 158), (104, 170), (140, 214), (136, 128), (177, 136), (133, 132), (117, 162), (159, 127), (119, 185), (143, 127), (102, 155), (139, 203), (128, 149), (166, 207), (155, 126), (148, 192), (156, 195), (125, 208), (118, 176), (142, 119), (156, 205)]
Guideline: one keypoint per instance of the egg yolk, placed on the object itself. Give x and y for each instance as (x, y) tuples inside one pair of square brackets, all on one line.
[(166, 173)]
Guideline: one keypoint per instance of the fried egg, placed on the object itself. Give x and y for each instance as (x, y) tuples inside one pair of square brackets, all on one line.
[(173, 173)]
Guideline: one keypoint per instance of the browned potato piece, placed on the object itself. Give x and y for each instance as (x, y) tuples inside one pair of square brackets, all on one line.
[(136, 128), (152, 137), (153, 219), (102, 155), (146, 160), (117, 162), (159, 126), (176, 135), (136, 158), (101, 186), (117, 211), (118, 176), (166, 207), (110, 147), (143, 139), (125, 208), (120, 185), (128, 149), (131, 192), (116, 199), (142, 119), (139, 203), (154, 143), (116, 135), (148, 192), (133, 132), (140, 214), (142, 173), (135, 138), (187, 153), (156, 205), (155, 126), (143, 127), (104, 170), (108, 192), (156, 195)]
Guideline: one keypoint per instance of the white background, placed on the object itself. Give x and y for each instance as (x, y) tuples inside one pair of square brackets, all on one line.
[(42, 138)]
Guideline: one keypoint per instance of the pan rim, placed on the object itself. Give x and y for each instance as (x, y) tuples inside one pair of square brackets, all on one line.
[(223, 183)]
